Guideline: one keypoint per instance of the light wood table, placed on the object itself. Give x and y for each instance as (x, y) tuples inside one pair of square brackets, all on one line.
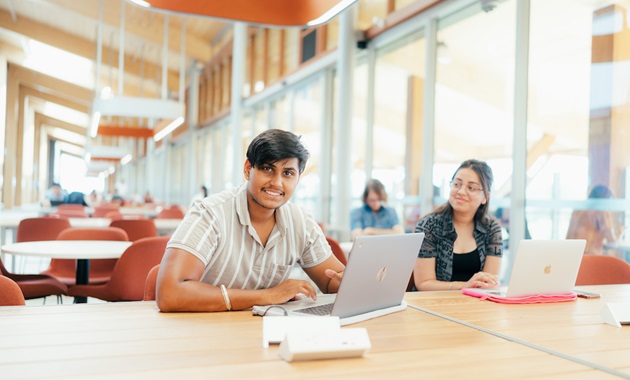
[(566, 328), (81, 250), (133, 340)]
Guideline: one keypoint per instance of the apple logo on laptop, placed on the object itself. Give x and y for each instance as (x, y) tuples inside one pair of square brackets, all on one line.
[(380, 276), (547, 269)]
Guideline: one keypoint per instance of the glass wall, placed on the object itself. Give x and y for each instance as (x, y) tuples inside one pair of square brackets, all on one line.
[(205, 152), (577, 107), (474, 93), (281, 113), (578, 112), (308, 117), (398, 96)]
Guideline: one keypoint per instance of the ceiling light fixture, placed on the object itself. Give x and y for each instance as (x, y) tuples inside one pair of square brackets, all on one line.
[(96, 119), (127, 159), (141, 3), (168, 129), (126, 106)]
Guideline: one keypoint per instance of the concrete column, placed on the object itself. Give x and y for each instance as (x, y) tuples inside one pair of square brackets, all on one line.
[(345, 74)]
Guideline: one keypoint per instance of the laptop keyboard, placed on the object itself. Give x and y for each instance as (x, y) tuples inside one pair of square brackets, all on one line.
[(324, 309)]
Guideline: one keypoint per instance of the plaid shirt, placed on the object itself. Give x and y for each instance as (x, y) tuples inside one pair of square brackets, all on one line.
[(440, 237)]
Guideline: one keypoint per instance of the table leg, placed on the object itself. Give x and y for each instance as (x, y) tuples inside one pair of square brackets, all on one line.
[(83, 274)]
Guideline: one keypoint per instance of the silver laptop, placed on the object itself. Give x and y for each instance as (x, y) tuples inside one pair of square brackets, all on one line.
[(373, 284), (543, 267)]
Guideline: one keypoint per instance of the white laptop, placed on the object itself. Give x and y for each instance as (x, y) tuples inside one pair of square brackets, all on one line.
[(542, 267), (374, 282)]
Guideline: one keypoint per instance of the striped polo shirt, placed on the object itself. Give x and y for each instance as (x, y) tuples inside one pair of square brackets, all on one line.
[(218, 231)]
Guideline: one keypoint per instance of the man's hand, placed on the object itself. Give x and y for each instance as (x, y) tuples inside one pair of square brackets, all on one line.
[(288, 290)]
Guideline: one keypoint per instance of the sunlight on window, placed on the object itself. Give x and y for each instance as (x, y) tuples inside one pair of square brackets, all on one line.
[(72, 176), (60, 64), (66, 114)]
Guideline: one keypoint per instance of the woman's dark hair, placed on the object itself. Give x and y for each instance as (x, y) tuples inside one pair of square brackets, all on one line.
[(274, 145), (376, 186), (486, 178)]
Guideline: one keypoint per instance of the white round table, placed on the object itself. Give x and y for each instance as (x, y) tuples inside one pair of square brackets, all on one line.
[(80, 250), (166, 226)]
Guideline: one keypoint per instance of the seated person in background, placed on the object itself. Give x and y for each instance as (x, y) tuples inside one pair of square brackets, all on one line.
[(373, 218), (462, 247), (55, 195), (93, 199), (76, 197), (118, 200), (598, 227), (148, 198), (236, 249), (200, 195)]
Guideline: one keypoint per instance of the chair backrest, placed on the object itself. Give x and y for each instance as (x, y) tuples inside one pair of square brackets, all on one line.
[(336, 249), (174, 212), (72, 213), (66, 267), (101, 210), (150, 285), (136, 228), (38, 229), (602, 270), (113, 215), (70, 206), (130, 274), (109, 233), (10, 293)]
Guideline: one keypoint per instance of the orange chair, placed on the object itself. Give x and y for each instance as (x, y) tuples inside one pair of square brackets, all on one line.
[(130, 274), (136, 228), (174, 212), (10, 293), (72, 213), (38, 285), (602, 270), (336, 249), (70, 206), (101, 270), (113, 215), (150, 285), (101, 210), (37, 229)]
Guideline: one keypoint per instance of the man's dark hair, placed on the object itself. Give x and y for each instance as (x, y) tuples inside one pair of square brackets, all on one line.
[(274, 145)]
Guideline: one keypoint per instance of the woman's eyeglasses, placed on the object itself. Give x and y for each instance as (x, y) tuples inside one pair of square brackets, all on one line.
[(470, 189)]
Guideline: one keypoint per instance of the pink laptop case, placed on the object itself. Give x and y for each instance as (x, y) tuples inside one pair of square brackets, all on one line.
[(537, 298)]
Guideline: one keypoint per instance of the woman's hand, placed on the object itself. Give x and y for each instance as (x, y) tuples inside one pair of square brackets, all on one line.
[(482, 280), (334, 275)]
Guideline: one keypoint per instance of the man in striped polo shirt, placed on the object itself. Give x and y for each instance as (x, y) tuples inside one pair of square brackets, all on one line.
[(236, 249)]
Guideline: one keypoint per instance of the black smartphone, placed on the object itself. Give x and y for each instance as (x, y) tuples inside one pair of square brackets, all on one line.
[(583, 294)]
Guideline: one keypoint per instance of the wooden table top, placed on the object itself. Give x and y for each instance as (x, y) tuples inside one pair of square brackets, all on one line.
[(134, 340), (572, 328)]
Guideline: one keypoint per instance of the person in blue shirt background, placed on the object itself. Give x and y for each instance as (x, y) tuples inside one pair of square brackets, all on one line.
[(373, 218)]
